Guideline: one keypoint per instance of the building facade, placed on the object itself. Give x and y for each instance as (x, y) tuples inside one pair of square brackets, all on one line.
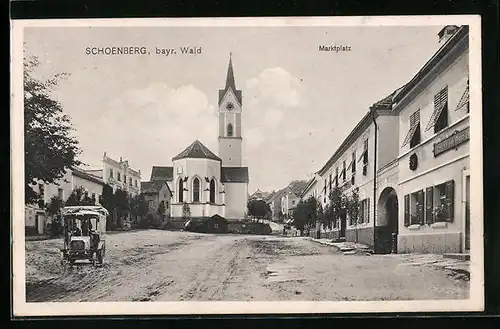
[(35, 216), (155, 193), (415, 143), (433, 160), (119, 175), (368, 148)]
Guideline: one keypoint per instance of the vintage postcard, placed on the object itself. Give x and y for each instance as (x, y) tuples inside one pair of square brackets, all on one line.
[(247, 165)]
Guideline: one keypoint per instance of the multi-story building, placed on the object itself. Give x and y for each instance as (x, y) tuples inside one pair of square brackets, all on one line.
[(368, 148), (119, 175), (416, 143), (433, 159), (289, 201), (35, 216)]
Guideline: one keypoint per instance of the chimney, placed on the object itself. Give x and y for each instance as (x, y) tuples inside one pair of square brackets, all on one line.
[(447, 32)]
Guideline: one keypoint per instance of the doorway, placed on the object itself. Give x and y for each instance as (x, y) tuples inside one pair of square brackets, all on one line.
[(343, 223), (467, 213), (386, 232)]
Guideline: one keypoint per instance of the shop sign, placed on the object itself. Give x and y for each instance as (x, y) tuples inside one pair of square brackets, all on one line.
[(451, 142)]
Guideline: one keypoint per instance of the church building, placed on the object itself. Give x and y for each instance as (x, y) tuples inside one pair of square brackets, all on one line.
[(211, 184)]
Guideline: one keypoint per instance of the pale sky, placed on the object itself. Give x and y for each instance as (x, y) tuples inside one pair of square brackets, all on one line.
[(299, 103)]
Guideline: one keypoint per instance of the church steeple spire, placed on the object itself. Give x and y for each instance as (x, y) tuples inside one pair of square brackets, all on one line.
[(230, 75), (230, 84)]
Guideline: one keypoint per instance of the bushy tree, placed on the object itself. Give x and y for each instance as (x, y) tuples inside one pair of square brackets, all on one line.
[(53, 210), (352, 205), (49, 147), (306, 214), (122, 206), (258, 209)]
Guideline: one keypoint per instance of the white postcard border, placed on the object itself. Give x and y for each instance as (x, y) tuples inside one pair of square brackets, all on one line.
[(22, 308)]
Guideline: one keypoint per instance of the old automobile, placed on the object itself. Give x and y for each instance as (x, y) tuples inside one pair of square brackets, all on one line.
[(84, 229)]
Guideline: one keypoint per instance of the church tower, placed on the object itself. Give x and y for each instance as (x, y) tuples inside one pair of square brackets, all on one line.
[(230, 104)]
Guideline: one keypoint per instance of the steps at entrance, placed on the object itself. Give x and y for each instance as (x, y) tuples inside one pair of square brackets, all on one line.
[(459, 256)]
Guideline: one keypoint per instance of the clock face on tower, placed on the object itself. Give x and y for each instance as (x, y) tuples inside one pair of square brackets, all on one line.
[(229, 106)]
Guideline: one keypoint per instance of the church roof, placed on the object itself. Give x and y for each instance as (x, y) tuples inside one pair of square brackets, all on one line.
[(234, 174), (197, 150), (152, 187), (230, 83), (162, 173)]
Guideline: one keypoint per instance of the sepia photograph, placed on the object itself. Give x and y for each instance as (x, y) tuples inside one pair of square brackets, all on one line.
[(251, 165)]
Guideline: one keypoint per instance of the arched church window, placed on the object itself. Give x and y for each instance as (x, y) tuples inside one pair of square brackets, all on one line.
[(212, 191), (229, 130), (196, 190), (180, 191)]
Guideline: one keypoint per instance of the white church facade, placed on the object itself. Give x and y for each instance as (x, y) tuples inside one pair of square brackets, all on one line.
[(207, 183)]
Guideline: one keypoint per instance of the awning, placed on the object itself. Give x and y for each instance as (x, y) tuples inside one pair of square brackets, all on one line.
[(464, 100), (362, 155), (350, 164), (440, 102)]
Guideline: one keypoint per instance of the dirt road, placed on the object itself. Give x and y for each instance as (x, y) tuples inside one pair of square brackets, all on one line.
[(163, 265)]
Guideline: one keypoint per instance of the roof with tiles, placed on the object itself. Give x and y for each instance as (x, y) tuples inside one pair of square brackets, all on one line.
[(162, 173), (197, 151)]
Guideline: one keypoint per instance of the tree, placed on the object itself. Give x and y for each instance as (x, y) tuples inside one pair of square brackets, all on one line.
[(306, 214), (79, 197), (337, 205), (258, 208), (353, 209), (53, 210), (161, 211), (121, 205), (186, 211), (49, 147), (107, 200)]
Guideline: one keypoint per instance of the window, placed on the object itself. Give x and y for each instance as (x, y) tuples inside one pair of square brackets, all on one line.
[(364, 211), (125, 179), (343, 171), (212, 191), (151, 205), (196, 190), (229, 130), (330, 183), (130, 181), (439, 203), (118, 177), (337, 177), (364, 157), (136, 183), (353, 168), (60, 193), (414, 208), (110, 173), (439, 118), (180, 190), (413, 135)]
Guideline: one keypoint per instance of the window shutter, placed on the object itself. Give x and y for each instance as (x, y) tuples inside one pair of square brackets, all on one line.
[(450, 197), (429, 205), (368, 210), (420, 209), (407, 210)]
